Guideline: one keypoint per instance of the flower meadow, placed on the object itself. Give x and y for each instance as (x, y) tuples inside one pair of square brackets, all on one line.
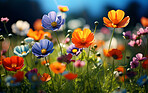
[(44, 59)]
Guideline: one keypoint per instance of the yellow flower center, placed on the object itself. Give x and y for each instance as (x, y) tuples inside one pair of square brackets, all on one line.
[(74, 50), (34, 78), (20, 29), (24, 52), (144, 80), (43, 51), (13, 65), (54, 24), (11, 81), (114, 26)]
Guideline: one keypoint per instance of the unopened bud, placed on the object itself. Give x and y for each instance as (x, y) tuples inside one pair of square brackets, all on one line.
[(96, 22), (69, 31)]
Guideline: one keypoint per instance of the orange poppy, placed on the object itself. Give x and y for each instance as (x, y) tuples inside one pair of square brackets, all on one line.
[(121, 69), (19, 75), (38, 24), (144, 21), (82, 39), (116, 54), (45, 77), (70, 76), (145, 64), (44, 62), (99, 43), (63, 8), (123, 78), (105, 51), (38, 35), (120, 47), (13, 63), (57, 67), (116, 19)]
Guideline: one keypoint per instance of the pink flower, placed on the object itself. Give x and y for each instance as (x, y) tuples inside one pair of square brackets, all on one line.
[(140, 57), (134, 37), (79, 63), (66, 40), (5, 20), (131, 43), (134, 43)]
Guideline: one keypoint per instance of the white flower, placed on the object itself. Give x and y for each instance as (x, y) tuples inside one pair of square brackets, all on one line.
[(20, 28)]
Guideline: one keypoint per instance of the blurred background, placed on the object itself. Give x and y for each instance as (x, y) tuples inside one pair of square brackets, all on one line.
[(85, 11)]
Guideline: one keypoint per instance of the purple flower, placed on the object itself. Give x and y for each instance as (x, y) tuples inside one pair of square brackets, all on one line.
[(65, 58), (4, 20), (42, 49), (52, 21), (74, 50), (134, 63), (131, 74), (127, 35), (140, 57), (134, 43), (31, 71)]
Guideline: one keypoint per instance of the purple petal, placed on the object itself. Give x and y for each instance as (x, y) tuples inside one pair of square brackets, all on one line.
[(52, 16)]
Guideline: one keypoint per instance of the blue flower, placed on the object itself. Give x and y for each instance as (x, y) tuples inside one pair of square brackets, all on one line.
[(74, 50), (42, 49), (142, 80), (22, 50), (52, 21), (28, 40), (10, 81)]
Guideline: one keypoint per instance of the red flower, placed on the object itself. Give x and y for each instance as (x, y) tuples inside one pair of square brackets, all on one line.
[(19, 75), (13, 64), (70, 76), (116, 54), (145, 64), (45, 77)]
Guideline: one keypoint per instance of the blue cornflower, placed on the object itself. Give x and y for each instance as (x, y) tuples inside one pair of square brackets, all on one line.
[(42, 49), (10, 81), (52, 21), (74, 50), (28, 40), (142, 80), (22, 50)]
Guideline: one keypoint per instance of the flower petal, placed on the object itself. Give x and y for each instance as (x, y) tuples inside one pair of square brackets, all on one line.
[(124, 22), (52, 16)]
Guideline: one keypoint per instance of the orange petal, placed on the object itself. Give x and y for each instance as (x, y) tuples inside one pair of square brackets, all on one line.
[(124, 22), (106, 20), (119, 14), (112, 16)]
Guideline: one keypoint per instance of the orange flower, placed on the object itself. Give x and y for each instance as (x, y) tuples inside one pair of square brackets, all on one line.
[(13, 63), (115, 19), (45, 77), (82, 39), (38, 35), (105, 51), (70, 76), (38, 24), (63, 8), (44, 62), (116, 54), (123, 78), (144, 21), (121, 69), (19, 75), (145, 64), (120, 47), (99, 43), (57, 67)]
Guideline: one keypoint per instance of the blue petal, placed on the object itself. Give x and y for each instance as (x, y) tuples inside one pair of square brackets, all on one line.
[(46, 19), (17, 48), (36, 48), (52, 16), (50, 46), (59, 19), (44, 43)]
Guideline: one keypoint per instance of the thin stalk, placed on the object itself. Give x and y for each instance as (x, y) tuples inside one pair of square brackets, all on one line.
[(95, 28), (50, 74), (111, 39), (5, 28), (112, 74), (58, 43)]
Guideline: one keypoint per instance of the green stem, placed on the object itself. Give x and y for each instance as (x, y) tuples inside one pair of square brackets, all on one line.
[(6, 28), (95, 28), (50, 74), (58, 43), (26, 62), (111, 39), (112, 75)]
